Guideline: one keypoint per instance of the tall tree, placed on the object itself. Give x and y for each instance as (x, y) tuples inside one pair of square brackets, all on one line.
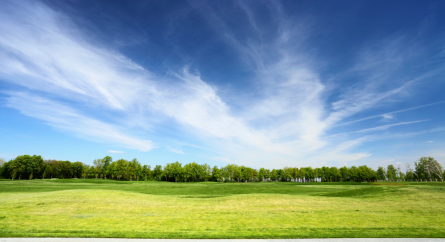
[(409, 172), (107, 160), (381, 173), (77, 169), (391, 172), (429, 167)]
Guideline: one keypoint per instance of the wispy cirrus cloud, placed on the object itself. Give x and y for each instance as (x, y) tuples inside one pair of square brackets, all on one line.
[(96, 93), (175, 150), (115, 151), (382, 127), (389, 115), (66, 119)]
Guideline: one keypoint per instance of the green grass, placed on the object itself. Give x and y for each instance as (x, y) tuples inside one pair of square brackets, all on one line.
[(104, 208)]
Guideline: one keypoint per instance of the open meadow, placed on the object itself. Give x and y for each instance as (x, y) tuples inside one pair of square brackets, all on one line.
[(106, 208)]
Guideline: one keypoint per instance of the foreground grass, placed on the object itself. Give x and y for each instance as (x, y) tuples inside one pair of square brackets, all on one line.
[(78, 208)]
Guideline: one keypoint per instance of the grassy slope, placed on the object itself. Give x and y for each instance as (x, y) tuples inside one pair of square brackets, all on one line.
[(90, 208)]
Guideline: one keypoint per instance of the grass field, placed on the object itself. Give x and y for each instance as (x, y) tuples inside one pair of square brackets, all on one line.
[(104, 208)]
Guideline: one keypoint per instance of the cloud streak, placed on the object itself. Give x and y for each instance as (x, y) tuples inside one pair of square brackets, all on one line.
[(115, 151), (390, 114), (98, 94), (65, 119)]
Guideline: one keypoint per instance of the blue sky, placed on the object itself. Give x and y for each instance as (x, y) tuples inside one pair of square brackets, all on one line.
[(257, 83)]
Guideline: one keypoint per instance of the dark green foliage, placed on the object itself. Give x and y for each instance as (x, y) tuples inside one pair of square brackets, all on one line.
[(29, 167), (391, 172)]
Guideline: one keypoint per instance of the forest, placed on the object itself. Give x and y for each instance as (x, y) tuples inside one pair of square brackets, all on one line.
[(35, 167)]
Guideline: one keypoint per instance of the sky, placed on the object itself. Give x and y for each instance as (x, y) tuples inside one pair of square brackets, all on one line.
[(255, 83)]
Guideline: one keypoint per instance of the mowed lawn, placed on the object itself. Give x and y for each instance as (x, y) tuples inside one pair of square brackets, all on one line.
[(104, 208)]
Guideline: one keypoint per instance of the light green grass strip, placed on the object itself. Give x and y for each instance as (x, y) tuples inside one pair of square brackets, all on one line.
[(212, 210)]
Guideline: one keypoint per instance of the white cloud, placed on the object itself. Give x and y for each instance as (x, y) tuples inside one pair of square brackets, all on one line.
[(383, 127), (430, 141), (176, 151), (387, 116), (390, 114), (66, 119), (115, 151), (285, 123)]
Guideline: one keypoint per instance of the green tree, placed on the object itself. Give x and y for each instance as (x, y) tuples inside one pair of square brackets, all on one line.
[(158, 172), (334, 174), (381, 173), (176, 170), (207, 171), (274, 175), (5, 170), (77, 169), (409, 172), (216, 174), (66, 169), (354, 173), (391, 172), (146, 172), (18, 167), (99, 164), (295, 173), (344, 171), (107, 160), (428, 168), (302, 174), (309, 173)]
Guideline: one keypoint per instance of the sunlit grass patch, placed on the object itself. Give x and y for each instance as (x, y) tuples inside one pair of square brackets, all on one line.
[(164, 210)]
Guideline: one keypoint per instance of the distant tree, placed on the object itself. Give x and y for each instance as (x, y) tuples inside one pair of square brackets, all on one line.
[(400, 174), (295, 173), (381, 173), (353, 173), (274, 175), (409, 172), (107, 160), (344, 171), (428, 167), (335, 174), (175, 170), (216, 174), (310, 173), (134, 169), (91, 172), (207, 171), (302, 174), (66, 169), (157, 172), (146, 172), (391, 172), (99, 164), (18, 167), (236, 171), (5, 170), (254, 174), (121, 168), (77, 169)]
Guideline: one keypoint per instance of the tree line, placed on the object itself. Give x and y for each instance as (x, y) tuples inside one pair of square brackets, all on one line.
[(35, 167)]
